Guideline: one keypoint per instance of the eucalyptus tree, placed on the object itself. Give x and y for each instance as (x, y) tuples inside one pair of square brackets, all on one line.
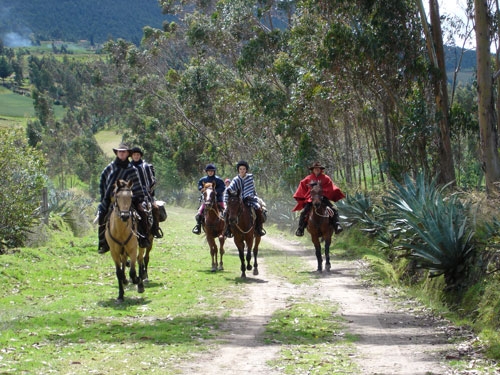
[(486, 110)]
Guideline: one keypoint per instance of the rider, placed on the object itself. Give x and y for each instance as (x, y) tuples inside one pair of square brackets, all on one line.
[(244, 183), (219, 187), (148, 181), (303, 196), (121, 168)]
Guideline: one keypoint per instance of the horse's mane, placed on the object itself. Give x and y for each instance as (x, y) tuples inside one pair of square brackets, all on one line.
[(208, 185)]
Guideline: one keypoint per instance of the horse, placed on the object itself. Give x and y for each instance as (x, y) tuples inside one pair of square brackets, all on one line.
[(213, 225), (159, 214), (241, 221), (320, 226), (121, 235)]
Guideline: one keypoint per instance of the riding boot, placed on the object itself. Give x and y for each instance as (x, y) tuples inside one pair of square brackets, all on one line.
[(227, 232), (197, 227), (103, 246), (336, 222), (259, 220), (155, 228), (302, 221), (143, 227)]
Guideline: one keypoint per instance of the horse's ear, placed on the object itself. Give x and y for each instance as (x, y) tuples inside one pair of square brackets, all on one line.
[(129, 184)]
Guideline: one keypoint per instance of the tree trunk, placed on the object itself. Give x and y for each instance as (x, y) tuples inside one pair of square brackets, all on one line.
[(486, 110), (446, 166)]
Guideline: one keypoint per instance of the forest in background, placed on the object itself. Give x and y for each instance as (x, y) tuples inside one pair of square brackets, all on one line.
[(96, 21)]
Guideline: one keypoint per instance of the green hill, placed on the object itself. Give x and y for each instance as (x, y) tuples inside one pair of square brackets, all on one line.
[(72, 20)]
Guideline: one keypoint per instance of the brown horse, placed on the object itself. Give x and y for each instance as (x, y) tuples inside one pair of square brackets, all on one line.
[(241, 221), (121, 235), (213, 225), (320, 226), (159, 215)]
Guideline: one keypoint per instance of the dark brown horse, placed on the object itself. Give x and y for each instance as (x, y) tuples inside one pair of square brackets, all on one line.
[(159, 215), (121, 235), (320, 226), (241, 220), (213, 226)]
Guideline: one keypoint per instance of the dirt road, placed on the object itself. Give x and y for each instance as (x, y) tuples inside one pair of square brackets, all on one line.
[(392, 340)]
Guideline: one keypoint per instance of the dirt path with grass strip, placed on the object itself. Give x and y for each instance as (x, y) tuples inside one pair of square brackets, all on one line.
[(392, 340)]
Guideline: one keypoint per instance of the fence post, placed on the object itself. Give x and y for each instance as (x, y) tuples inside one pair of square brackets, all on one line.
[(45, 206)]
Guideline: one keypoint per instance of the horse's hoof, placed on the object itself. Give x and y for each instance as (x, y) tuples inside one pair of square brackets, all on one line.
[(146, 280), (213, 269), (221, 268), (249, 267), (255, 271), (319, 270), (119, 300), (328, 267), (140, 288), (243, 276)]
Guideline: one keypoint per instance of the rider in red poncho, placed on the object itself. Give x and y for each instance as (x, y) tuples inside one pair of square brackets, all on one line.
[(303, 196)]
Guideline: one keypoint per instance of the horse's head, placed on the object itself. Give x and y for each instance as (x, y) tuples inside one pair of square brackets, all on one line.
[(234, 206), (123, 198), (209, 195), (316, 194)]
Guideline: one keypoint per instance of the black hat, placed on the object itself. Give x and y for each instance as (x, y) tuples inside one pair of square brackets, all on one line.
[(210, 167), (244, 163), (316, 164), (136, 149), (121, 147)]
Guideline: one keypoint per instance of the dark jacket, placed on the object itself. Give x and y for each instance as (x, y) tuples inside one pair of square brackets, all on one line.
[(119, 170), (218, 183)]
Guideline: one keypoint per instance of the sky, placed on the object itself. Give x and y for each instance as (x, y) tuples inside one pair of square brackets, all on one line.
[(455, 8)]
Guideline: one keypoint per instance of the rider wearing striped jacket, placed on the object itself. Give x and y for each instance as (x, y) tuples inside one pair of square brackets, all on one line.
[(245, 185)]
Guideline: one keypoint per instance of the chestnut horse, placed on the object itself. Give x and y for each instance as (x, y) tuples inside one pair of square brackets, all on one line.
[(121, 235), (213, 225), (320, 226), (241, 221)]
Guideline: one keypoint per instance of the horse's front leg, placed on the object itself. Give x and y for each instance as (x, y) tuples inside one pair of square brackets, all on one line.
[(328, 266), (241, 253), (317, 247), (120, 276), (142, 270), (255, 254), (249, 255), (146, 264), (221, 252)]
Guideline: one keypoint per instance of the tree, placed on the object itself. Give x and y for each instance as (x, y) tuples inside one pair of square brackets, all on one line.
[(5, 68), (486, 109), (23, 178)]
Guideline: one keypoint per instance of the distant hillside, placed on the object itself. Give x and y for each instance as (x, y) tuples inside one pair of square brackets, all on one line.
[(73, 20)]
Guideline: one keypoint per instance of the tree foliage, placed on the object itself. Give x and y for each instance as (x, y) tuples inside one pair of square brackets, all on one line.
[(22, 172)]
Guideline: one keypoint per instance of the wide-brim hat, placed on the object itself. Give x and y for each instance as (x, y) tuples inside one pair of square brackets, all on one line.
[(136, 149), (316, 164), (121, 147)]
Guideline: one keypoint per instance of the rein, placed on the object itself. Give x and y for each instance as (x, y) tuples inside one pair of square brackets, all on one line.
[(240, 204), (131, 215)]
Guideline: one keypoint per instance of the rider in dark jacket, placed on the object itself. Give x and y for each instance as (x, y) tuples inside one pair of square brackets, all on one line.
[(121, 169), (219, 187)]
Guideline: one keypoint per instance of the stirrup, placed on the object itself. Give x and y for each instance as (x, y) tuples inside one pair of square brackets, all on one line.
[(260, 232), (299, 232), (158, 233), (338, 228), (103, 249), (196, 229)]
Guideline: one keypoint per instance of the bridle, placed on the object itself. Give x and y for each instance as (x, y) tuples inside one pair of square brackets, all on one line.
[(123, 192), (210, 200)]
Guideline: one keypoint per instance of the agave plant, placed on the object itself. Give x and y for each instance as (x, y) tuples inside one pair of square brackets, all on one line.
[(437, 234), (358, 210)]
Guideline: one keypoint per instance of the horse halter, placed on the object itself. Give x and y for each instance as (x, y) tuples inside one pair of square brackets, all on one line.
[(234, 196), (123, 201), (209, 197)]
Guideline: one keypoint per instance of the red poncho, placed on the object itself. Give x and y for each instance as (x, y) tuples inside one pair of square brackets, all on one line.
[(303, 193)]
